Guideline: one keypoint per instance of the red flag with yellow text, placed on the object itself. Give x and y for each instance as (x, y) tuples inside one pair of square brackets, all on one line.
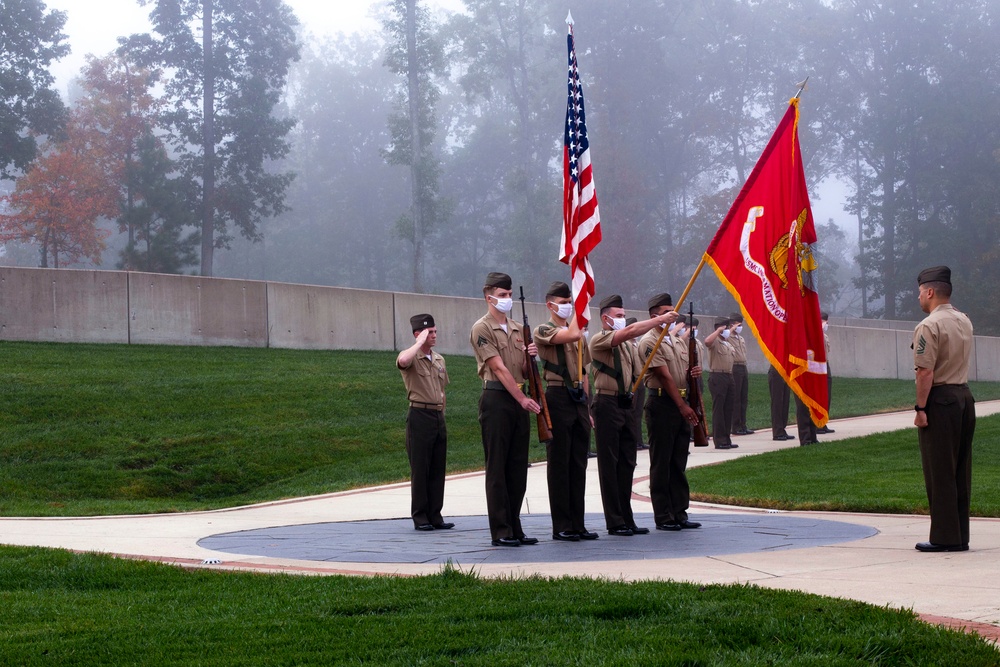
[(762, 253)]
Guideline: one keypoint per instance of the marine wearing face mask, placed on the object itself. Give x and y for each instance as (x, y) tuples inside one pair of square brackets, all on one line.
[(721, 356)]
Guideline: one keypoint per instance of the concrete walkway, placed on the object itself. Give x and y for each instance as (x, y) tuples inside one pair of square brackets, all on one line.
[(867, 557)]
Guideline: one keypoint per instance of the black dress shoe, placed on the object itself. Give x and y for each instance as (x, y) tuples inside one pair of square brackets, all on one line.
[(748, 431), (527, 540), (424, 526), (931, 547), (670, 525), (587, 535), (825, 429), (636, 530), (507, 542), (621, 531), (780, 438), (444, 525), (566, 536), (688, 524), (809, 442), (723, 446)]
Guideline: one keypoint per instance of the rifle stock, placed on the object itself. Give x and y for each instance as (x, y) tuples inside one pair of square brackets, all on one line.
[(543, 420), (694, 396)]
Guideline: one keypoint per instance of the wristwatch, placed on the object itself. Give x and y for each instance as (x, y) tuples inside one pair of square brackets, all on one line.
[(920, 409)]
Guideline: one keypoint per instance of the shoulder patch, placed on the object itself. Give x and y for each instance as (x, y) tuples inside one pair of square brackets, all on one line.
[(482, 341), (921, 344)]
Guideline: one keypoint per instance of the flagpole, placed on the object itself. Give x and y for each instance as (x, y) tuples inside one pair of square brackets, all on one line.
[(663, 332)]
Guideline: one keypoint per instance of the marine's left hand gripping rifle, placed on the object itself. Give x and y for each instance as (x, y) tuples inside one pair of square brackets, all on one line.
[(544, 421)]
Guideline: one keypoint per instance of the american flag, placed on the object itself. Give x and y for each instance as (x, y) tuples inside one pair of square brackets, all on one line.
[(581, 219)]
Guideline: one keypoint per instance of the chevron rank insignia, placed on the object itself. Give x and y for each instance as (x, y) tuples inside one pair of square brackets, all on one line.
[(482, 341), (921, 345)]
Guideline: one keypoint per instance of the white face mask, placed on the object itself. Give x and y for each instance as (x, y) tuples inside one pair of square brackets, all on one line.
[(680, 333), (617, 323), (694, 333), (503, 305), (563, 310), (725, 334), (672, 327), (826, 326), (739, 328)]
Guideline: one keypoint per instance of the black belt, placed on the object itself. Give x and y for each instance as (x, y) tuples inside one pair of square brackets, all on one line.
[(739, 363), (720, 372), (426, 406), (496, 385)]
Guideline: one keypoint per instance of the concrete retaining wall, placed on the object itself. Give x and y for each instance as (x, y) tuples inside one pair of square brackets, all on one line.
[(64, 305)]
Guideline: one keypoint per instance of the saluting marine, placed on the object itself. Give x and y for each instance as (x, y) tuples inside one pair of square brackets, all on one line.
[(425, 377), (668, 421), (721, 357), (741, 376), (612, 361)]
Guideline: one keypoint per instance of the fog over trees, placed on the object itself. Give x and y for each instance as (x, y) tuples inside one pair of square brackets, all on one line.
[(430, 152)]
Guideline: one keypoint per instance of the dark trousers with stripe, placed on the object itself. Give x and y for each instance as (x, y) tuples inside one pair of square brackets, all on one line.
[(946, 455), (669, 440), (427, 450), (741, 376), (505, 431), (616, 450), (723, 390), (567, 459)]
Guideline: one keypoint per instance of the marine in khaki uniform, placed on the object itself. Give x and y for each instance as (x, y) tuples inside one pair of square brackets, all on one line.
[(639, 400), (741, 376), (559, 344), (425, 377), (498, 344), (612, 363), (668, 421), (721, 356), (945, 410)]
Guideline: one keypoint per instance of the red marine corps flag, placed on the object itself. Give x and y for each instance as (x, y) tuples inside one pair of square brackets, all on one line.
[(762, 253), (581, 220)]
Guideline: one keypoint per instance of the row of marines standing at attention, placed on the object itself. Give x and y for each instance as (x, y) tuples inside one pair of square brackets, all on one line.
[(616, 356)]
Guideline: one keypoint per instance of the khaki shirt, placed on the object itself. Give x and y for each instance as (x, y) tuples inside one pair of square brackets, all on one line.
[(739, 348), (425, 379), (668, 354), (490, 340), (942, 342), (721, 356), (601, 350), (544, 333)]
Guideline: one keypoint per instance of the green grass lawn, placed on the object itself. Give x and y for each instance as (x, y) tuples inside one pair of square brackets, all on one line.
[(114, 429), (69, 609), (877, 473)]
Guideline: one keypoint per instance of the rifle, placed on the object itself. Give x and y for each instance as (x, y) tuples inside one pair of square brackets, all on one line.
[(694, 394), (535, 383)]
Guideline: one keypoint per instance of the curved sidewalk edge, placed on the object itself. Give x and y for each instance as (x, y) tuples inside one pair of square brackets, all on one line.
[(955, 589)]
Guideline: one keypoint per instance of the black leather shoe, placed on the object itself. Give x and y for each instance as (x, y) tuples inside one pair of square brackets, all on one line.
[(636, 530), (723, 446), (444, 525), (566, 536), (527, 540), (424, 526), (587, 535), (780, 438), (670, 525), (688, 524), (507, 542), (809, 442), (621, 531), (825, 429), (931, 547), (748, 431)]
